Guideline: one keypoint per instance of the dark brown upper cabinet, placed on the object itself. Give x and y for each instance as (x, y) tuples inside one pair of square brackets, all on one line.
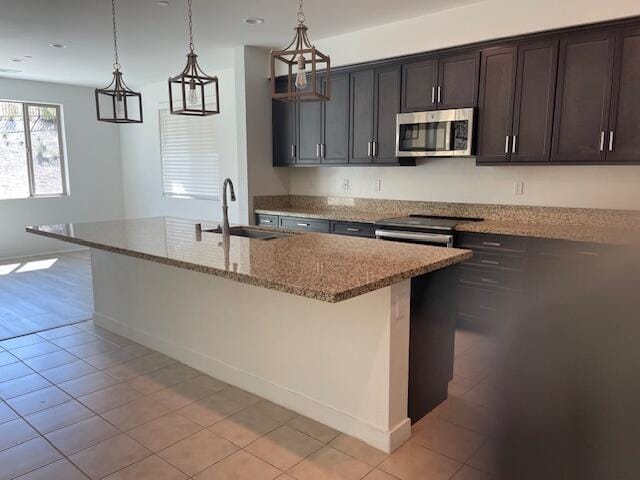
[(309, 132), (623, 143), (362, 115), (284, 121), (335, 137), (583, 97), (515, 110), (441, 83), (495, 104)]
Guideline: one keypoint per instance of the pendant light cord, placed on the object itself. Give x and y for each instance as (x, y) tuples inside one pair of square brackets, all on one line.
[(301, 17), (116, 65), (190, 27)]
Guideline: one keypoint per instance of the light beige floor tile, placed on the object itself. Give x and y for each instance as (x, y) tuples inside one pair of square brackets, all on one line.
[(468, 473), (330, 464), (79, 338), (25, 457), (22, 341), (194, 389), (198, 452), (314, 429), (14, 433), (68, 372), (284, 447), (482, 394), (112, 337), (14, 370), (93, 348), (285, 476), (466, 414), (163, 378), (50, 360), (151, 468), (88, 384), (245, 426), (413, 462), (6, 413), (460, 385), (60, 470), (137, 350), (215, 407), (274, 411), (6, 358), (378, 475), (240, 466), (448, 439), (109, 359), (59, 332), (53, 418), (135, 413), (81, 435), (109, 456), (469, 369), (39, 400), (22, 385), (110, 397), (486, 458), (34, 350), (358, 449), (164, 431)]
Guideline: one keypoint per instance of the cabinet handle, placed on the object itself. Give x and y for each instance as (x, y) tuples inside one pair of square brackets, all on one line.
[(602, 141), (369, 149), (293, 151), (439, 93), (323, 149), (303, 224), (491, 244), (489, 262), (611, 141), (375, 149), (588, 254), (489, 281), (317, 150), (351, 229), (506, 145), (514, 144), (265, 221), (433, 94)]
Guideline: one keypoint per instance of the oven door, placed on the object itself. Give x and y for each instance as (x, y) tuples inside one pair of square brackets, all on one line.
[(435, 239), (441, 133)]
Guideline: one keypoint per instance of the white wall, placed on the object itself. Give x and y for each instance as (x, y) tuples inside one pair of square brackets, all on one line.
[(93, 157), (141, 162), (460, 180)]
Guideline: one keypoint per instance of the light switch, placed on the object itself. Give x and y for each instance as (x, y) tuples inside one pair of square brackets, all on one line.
[(345, 184), (518, 188)]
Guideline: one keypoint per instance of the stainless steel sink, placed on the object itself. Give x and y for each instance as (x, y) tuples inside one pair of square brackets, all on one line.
[(250, 233)]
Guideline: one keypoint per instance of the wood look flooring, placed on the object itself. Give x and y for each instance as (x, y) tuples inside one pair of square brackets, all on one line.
[(44, 292)]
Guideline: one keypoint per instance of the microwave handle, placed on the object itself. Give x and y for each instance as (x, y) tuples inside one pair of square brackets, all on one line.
[(447, 135)]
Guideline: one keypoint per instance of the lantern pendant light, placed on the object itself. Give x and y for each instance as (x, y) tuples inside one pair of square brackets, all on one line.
[(298, 58), (117, 103), (193, 92)]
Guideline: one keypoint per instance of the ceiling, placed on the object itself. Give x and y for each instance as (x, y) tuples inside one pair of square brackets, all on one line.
[(153, 40)]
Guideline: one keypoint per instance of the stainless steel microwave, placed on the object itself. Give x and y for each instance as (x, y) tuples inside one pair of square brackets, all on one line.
[(440, 133)]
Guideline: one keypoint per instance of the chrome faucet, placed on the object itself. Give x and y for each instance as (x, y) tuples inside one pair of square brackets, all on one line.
[(225, 208)]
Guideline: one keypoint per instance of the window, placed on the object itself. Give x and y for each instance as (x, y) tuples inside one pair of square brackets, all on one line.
[(190, 164), (31, 154)]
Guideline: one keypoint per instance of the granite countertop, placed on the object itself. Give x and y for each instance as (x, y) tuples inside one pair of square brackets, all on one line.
[(614, 235), (324, 267)]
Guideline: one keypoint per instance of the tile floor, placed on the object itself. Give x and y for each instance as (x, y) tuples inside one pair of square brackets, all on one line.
[(79, 402), (39, 293)]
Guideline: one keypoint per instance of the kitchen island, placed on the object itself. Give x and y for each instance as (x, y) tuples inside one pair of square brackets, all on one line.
[(351, 332)]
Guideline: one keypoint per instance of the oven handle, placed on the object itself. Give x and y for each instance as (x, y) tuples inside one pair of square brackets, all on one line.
[(446, 240)]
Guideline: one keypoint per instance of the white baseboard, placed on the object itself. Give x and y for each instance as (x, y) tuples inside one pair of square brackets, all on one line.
[(43, 254), (341, 421)]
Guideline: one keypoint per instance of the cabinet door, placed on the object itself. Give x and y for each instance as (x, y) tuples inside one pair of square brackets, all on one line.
[(309, 131), (583, 97), (534, 102), (336, 121), (458, 81), (623, 143), (284, 133), (387, 102), (419, 86), (495, 104), (361, 116)]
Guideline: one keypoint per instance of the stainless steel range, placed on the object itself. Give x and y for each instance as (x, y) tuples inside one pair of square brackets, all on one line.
[(428, 230)]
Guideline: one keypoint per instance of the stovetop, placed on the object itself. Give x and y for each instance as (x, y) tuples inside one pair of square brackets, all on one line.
[(423, 222)]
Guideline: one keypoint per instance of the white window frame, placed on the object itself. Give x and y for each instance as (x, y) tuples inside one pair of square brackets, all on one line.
[(29, 150)]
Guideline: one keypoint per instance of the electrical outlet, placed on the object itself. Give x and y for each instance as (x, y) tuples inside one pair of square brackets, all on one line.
[(518, 188), (378, 185), (345, 184)]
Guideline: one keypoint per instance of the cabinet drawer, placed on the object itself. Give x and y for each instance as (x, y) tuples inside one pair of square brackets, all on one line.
[(490, 242), (306, 224), (354, 229), (491, 279), (485, 304), (510, 263), (267, 220)]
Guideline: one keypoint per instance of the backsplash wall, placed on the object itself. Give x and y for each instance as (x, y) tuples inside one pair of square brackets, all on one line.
[(459, 180)]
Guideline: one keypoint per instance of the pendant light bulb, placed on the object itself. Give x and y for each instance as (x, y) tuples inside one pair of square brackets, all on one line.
[(301, 76), (192, 98), (119, 106)]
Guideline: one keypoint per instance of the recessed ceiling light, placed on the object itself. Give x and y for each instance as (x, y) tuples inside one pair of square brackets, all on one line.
[(9, 70), (253, 20), (162, 3), (57, 45), (18, 60)]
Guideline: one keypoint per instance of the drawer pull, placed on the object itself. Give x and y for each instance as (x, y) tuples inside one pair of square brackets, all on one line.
[(351, 229), (492, 244), (303, 224), (490, 262), (490, 309), (588, 254), (489, 281), (266, 221)]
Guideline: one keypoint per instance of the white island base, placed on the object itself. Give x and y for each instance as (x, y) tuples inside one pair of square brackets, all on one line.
[(343, 364)]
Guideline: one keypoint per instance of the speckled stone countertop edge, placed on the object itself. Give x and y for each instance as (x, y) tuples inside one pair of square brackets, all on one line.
[(313, 294)]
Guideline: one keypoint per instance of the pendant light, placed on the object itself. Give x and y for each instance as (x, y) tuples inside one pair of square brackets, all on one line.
[(193, 92), (301, 60), (117, 103)]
